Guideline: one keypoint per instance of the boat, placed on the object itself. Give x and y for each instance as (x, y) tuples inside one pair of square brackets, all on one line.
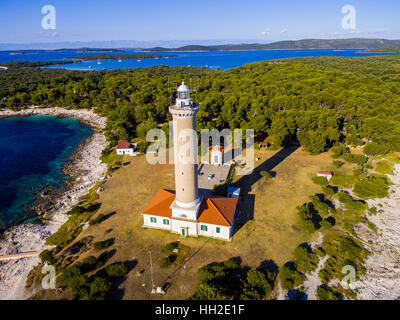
[(119, 60), (98, 61), (139, 60), (90, 67)]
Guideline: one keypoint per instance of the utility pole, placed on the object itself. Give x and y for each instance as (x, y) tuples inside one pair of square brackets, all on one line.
[(151, 270)]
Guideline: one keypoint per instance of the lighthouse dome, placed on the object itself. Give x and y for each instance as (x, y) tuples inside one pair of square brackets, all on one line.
[(183, 87), (184, 93)]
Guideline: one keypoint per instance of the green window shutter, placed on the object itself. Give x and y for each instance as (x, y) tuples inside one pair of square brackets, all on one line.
[(152, 219), (165, 221), (203, 227), (218, 230)]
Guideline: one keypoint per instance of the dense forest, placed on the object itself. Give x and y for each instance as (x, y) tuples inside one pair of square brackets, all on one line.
[(319, 102)]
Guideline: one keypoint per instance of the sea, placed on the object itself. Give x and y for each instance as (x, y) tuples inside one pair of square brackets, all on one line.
[(211, 59), (34, 149)]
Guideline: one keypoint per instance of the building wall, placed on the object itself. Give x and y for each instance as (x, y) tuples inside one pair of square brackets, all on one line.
[(225, 232), (191, 227), (125, 151), (159, 222)]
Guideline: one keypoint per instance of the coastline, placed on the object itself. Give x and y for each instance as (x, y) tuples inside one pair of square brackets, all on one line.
[(88, 169), (382, 280)]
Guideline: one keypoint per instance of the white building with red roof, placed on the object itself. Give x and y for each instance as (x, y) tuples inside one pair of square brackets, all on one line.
[(185, 211), (126, 148)]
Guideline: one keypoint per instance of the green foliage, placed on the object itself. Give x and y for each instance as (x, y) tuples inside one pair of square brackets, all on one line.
[(351, 203), (326, 224), (320, 180), (307, 218), (313, 141), (116, 270), (374, 149), (383, 167), (338, 163), (265, 174), (101, 245), (325, 293), (343, 180), (305, 259), (372, 187), (47, 256), (355, 158), (328, 190), (342, 250), (226, 281), (167, 261), (101, 217), (290, 277)]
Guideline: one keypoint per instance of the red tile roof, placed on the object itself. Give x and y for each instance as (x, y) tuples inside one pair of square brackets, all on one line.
[(325, 172), (123, 145), (213, 209)]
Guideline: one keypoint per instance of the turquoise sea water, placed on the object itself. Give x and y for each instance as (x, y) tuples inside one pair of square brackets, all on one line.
[(33, 151)]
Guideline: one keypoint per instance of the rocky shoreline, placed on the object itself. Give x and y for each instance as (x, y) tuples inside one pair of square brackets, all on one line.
[(382, 281), (87, 169)]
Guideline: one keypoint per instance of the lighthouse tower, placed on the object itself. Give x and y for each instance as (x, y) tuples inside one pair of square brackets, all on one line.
[(187, 200)]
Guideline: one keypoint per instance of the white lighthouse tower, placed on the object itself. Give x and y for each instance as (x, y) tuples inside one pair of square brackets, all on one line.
[(187, 201)]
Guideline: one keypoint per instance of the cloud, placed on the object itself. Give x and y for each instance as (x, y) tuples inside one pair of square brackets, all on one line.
[(283, 30), (266, 32)]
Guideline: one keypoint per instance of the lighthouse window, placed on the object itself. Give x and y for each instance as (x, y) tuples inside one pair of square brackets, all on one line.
[(182, 173), (183, 189)]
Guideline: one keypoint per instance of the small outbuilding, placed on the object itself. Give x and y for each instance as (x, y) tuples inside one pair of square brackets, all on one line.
[(326, 174), (233, 192), (217, 155)]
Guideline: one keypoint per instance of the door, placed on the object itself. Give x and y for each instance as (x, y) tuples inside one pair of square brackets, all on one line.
[(216, 159), (183, 232)]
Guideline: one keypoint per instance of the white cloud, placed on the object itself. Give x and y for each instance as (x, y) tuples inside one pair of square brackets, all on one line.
[(266, 32), (283, 30)]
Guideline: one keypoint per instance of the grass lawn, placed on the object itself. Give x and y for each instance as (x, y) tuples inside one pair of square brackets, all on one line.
[(271, 234)]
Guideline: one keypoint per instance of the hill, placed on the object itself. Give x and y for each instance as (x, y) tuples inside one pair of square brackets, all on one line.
[(355, 43)]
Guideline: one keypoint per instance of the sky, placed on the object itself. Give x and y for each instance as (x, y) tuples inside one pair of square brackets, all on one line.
[(154, 20)]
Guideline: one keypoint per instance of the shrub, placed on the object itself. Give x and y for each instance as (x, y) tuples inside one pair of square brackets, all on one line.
[(101, 217), (167, 261), (307, 217), (338, 163), (47, 256), (375, 149), (339, 150), (306, 260), (171, 246), (99, 288), (116, 270), (383, 167), (328, 190), (290, 277), (265, 174), (372, 187), (320, 252), (320, 180), (326, 293), (355, 158), (100, 245), (326, 224)]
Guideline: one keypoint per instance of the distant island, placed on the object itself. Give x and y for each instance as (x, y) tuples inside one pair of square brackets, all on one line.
[(355, 43), (385, 50), (122, 56)]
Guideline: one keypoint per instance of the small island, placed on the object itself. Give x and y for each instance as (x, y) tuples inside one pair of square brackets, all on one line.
[(385, 50), (121, 56)]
